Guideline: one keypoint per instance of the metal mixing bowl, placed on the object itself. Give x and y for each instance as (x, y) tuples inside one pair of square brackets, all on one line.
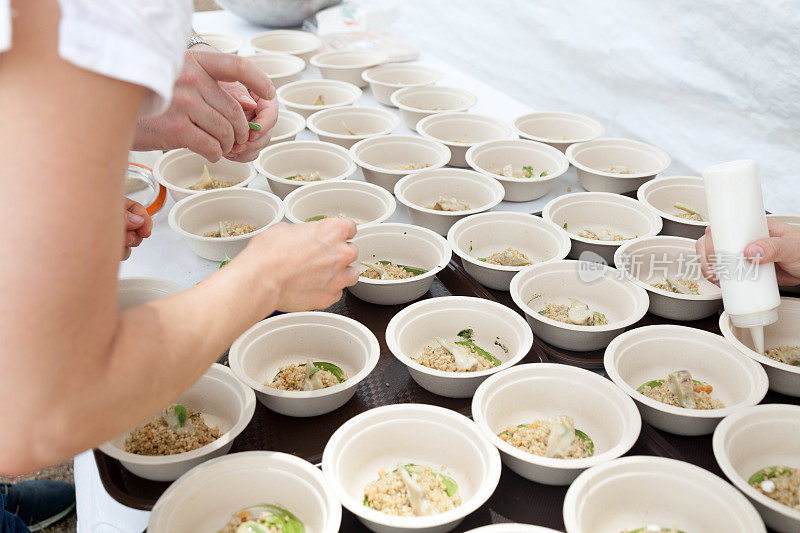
[(276, 13)]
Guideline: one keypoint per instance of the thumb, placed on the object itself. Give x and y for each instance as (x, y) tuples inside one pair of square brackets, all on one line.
[(239, 93), (771, 250)]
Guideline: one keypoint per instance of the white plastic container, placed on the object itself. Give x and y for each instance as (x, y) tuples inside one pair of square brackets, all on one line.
[(512, 528), (347, 65), (558, 129), (383, 159), (206, 497), (229, 44), (736, 212), (410, 433), (461, 130), (302, 44), (594, 159), (416, 103), (417, 326), (332, 125), (281, 68), (223, 401), (661, 195), (287, 127), (257, 355), (177, 170), (366, 203), (299, 96), (386, 79), (534, 391)]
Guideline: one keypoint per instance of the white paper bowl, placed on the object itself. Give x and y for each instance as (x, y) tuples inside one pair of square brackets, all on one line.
[(484, 234), (461, 130), (287, 127), (792, 220), (632, 492), (205, 498), (223, 401), (257, 355), (786, 331), (366, 203), (662, 193), (600, 210), (177, 170), (384, 436), (512, 528), (403, 244), (558, 129), (418, 192), (380, 156), (299, 96), (329, 124), (386, 79), (136, 291), (592, 159), (229, 44), (491, 156), (276, 162), (281, 68), (652, 352), (416, 103), (542, 390), (752, 439), (601, 287), (347, 65), (416, 326), (650, 260), (195, 215), (298, 43)]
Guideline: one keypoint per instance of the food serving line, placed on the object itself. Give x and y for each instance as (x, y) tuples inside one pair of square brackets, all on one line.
[(166, 255)]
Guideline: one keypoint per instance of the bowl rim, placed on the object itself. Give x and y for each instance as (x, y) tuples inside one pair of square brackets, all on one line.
[(215, 371), (546, 370), (298, 64), (376, 58), (598, 472), (644, 190), (384, 195), (558, 114), (604, 197), (236, 353), (666, 240), (495, 186), (332, 506), (718, 446), (639, 293), (185, 152), (355, 93), (563, 248), (756, 394), (512, 527), (295, 33), (305, 145), (411, 411), (299, 122), (270, 198), (443, 151), (725, 327), (435, 73), (441, 241), (311, 123), (213, 34), (570, 153), (555, 152), (436, 117), (395, 98), (402, 315)]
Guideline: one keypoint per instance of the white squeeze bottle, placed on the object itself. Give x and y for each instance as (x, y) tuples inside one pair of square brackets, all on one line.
[(736, 216)]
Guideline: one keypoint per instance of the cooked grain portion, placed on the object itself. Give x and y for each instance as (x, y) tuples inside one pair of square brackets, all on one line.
[(233, 229), (305, 176), (207, 182), (653, 528), (533, 438), (389, 270), (410, 166), (604, 234), (678, 285), (160, 438), (619, 169), (789, 355), (449, 204), (664, 394), (508, 257), (781, 483), (688, 216), (263, 518), (293, 377), (572, 314), (440, 358), (526, 171), (389, 494)]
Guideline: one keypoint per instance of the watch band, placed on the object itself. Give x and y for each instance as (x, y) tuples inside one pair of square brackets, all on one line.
[(194, 39)]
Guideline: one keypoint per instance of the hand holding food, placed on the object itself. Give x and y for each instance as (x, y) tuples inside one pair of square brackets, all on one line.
[(138, 226), (782, 248)]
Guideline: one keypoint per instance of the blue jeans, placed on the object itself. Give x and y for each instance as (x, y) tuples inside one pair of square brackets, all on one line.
[(10, 523)]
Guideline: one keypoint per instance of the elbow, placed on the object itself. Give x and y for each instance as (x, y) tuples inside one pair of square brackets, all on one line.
[(30, 446)]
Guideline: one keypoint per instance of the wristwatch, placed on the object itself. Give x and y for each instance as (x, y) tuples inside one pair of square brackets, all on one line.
[(194, 39)]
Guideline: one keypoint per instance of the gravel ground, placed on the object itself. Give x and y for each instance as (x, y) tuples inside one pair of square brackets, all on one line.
[(62, 472)]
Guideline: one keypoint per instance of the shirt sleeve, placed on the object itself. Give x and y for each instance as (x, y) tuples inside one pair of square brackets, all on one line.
[(5, 25), (141, 42)]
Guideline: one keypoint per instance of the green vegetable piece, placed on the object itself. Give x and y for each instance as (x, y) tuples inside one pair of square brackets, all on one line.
[(411, 270), (543, 174), (290, 177), (601, 316), (313, 371), (482, 259), (585, 438), (254, 126), (450, 485), (315, 218), (225, 260), (180, 412), (529, 170), (533, 298), (769, 472), (333, 369), (466, 333), (655, 383), (480, 351), (564, 226), (366, 501), (543, 312), (501, 345), (518, 425), (280, 518), (255, 528)]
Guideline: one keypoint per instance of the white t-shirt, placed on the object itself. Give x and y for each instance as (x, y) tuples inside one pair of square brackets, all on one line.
[(140, 41)]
